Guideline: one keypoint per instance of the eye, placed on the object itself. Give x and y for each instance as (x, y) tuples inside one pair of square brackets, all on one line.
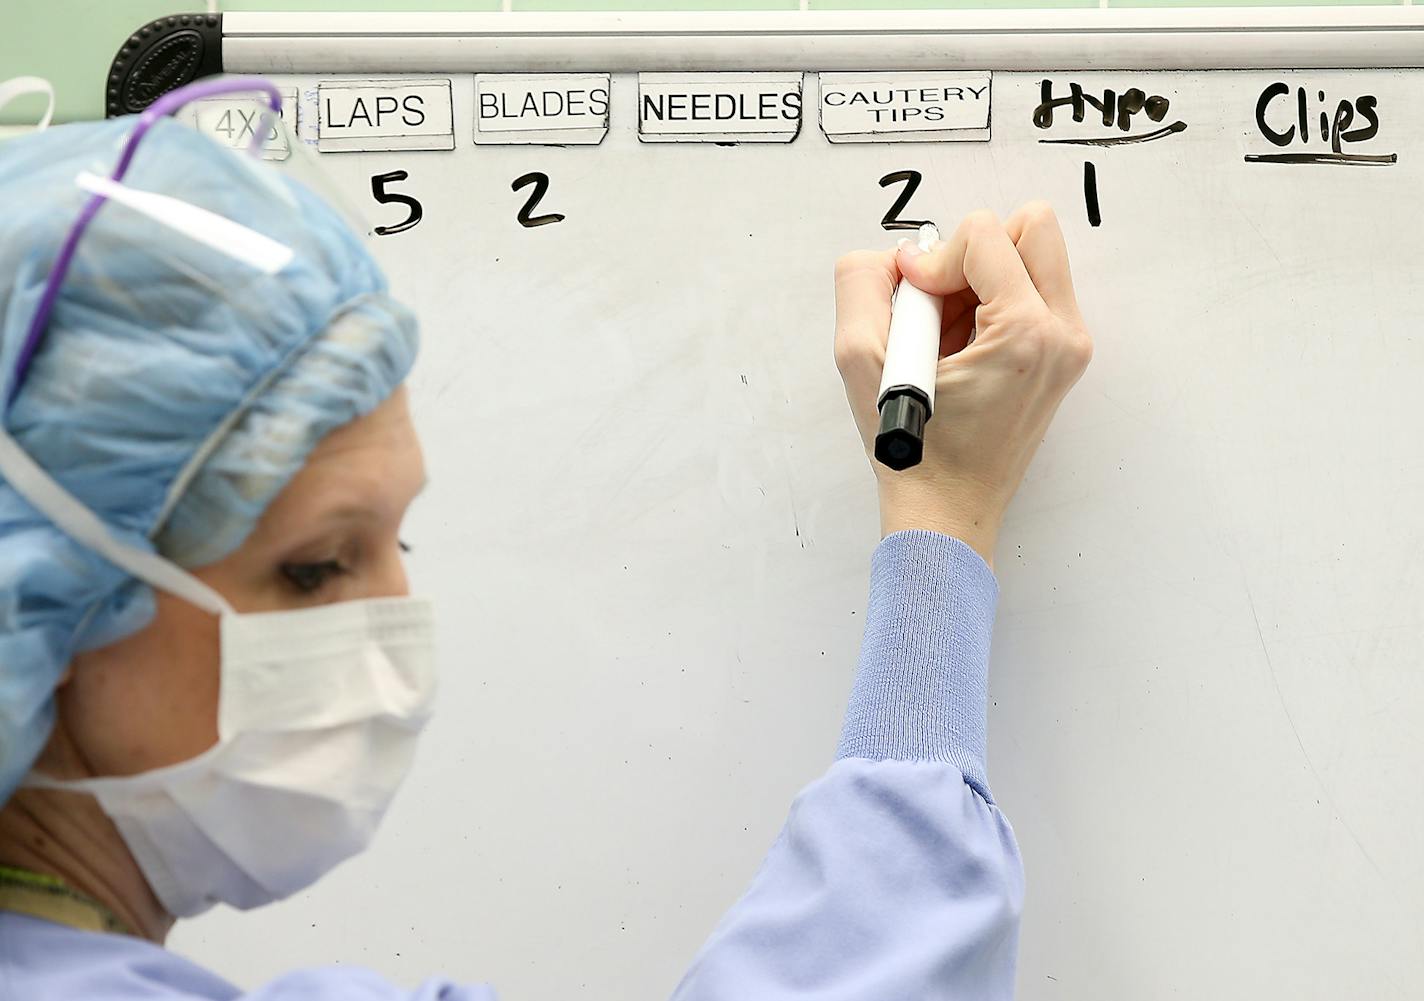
[(310, 577)]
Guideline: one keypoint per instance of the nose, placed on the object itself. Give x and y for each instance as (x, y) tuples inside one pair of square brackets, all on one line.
[(391, 580)]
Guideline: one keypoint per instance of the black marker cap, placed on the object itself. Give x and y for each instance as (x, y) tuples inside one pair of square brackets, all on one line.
[(900, 443)]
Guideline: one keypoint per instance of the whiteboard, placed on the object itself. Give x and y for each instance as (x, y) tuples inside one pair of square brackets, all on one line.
[(650, 524)]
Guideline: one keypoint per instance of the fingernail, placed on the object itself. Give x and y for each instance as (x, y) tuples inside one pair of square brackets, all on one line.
[(908, 247)]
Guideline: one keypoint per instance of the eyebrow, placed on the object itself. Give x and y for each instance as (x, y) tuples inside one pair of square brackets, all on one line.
[(354, 510), (347, 511)]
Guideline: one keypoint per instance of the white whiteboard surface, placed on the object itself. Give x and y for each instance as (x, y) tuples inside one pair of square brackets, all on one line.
[(650, 524)]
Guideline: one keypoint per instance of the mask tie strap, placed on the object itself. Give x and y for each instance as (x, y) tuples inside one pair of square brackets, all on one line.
[(22, 85), (70, 515), (259, 252)]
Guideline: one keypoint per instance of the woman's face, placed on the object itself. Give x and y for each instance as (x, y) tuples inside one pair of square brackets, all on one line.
[(331, 535)]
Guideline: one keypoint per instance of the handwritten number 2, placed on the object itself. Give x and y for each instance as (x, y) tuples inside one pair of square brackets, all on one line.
[(378, 190), (540, 181), (911, 180)]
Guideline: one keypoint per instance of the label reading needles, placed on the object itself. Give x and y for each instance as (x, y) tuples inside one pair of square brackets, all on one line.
[(719, 107)]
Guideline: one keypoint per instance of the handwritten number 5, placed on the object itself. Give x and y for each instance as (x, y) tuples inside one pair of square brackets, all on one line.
[(911, 180), (378, 190), (540, 181)]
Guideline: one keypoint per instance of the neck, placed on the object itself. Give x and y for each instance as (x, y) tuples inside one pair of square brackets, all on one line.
[(68, 835)]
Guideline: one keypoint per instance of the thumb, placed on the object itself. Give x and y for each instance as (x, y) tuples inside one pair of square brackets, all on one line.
[(935, 271)]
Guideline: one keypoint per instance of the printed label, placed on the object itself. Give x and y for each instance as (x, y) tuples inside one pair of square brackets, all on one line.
[(233, 121), (901, 107), (719, 107), (557, 109), (384, 114)]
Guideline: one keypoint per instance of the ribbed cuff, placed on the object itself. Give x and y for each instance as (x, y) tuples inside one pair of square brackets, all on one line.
[(922, 685)]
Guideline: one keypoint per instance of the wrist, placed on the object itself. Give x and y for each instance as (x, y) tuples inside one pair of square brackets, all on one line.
[(976, 527)]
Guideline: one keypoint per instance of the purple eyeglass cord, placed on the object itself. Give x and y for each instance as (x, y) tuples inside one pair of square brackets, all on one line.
[(165, 105)]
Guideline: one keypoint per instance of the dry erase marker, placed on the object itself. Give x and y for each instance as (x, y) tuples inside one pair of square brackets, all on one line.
[(907, 387)]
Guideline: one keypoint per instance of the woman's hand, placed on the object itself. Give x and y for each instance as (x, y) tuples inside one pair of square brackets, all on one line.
[(1011, 346)]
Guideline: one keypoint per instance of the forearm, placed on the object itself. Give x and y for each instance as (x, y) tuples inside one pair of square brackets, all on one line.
[(921, 688)]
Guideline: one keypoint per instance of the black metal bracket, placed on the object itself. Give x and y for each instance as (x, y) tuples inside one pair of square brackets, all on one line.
[(162, 55)]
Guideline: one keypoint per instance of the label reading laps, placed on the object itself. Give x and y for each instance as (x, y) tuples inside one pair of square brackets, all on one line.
[(369, 115), (905, 107), (233, 120), (556, 109), (719, 107)]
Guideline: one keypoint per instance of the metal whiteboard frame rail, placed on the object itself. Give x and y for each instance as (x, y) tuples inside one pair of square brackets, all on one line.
[(170, 51), (1095, 39)]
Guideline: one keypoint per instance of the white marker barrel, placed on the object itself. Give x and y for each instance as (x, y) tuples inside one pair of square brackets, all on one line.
[(907, 385), (912, 353)]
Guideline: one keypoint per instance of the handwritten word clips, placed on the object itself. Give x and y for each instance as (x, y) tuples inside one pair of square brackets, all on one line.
[(1284, 122)]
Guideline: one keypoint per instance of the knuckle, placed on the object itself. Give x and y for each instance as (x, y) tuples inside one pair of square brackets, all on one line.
[(1036, 338), (1073, 348), (1038, 212), (854, 261), (1081, 348), (1027, 346), (850, 354), (979, 221)]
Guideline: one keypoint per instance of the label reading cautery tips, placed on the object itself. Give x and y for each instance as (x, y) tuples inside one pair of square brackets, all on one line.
[(719, 107), (905, 107), (371, 115), (560, 109)]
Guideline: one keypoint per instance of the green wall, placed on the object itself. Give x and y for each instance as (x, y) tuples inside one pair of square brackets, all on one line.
[(72, 41)]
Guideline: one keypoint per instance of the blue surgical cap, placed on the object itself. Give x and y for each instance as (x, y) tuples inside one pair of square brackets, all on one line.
[(176, 390)]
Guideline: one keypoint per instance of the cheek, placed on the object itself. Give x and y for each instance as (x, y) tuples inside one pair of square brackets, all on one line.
[(150, 699)]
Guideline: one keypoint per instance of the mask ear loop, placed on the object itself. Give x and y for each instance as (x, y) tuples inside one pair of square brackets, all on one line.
[(165, 105), (20, 86)]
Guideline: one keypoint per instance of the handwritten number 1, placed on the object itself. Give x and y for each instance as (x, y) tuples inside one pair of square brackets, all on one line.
[(911, 179), (540, 181), (1090, 193)]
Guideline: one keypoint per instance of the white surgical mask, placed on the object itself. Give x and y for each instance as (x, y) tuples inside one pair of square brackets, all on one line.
[(318, 715)]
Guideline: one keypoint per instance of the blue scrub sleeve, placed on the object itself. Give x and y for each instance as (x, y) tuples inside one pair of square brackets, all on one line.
[(895, 877)]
